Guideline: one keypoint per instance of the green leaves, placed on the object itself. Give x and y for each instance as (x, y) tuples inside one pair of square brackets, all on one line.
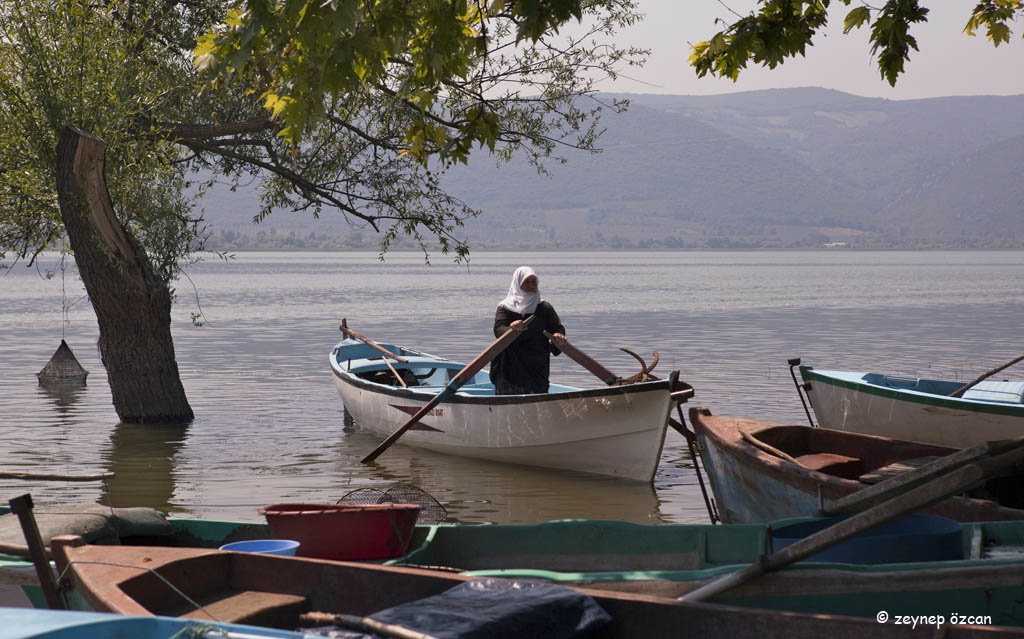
[(92, 66), (305, 51), (782, 29), (856, 19), (890, 36), (993, 16)]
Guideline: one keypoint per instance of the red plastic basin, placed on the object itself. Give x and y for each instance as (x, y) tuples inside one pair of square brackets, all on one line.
[(343, 531)]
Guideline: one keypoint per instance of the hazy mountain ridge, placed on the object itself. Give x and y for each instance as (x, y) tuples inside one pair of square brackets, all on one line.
[(777, 168)]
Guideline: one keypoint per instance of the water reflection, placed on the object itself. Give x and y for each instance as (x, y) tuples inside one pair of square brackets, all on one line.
[(63, 396), (143, 460), (476, 491)]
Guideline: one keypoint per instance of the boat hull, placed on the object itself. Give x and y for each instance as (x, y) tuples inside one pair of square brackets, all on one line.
[(753, 486), (841, 402), (617, 431), (273, 590)]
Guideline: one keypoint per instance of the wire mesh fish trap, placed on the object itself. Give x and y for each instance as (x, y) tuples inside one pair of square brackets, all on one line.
[(63, 368), (431, 510)]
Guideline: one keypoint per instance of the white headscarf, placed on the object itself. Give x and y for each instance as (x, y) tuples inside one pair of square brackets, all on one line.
[(518, 300)]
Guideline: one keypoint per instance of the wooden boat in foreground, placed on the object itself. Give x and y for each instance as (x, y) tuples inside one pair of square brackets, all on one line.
[(915, 409), (763, 471), (274, 591), (614, 430)]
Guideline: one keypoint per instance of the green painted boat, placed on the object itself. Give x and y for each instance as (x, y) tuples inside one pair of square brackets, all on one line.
[(669, 561)]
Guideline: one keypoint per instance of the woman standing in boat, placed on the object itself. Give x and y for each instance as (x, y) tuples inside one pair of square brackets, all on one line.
[(524, 367)]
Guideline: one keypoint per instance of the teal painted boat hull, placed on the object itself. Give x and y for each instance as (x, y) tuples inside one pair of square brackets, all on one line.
[(669, 561)]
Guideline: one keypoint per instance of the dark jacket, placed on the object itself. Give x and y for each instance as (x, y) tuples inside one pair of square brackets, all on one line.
[(524, 366)]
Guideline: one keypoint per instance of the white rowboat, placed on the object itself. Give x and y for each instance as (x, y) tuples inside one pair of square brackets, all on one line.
[(915, 409), (615, 430)]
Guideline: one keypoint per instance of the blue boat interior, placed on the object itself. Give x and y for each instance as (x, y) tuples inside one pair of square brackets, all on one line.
[(1000, 392), (424, 372), (921, 385)]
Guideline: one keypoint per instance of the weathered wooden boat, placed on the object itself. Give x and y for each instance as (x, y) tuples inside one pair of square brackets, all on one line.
[(915, 409), (19, 584), (31, 623), (275, 591), (613, 430), (764, 471)]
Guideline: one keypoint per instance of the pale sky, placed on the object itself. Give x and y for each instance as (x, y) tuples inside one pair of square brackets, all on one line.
[(948, 61)]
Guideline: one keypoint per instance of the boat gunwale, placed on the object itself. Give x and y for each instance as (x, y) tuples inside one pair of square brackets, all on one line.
[(487, 400), (809, 374)]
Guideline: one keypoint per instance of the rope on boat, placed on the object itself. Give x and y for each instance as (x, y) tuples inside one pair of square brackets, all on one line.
[(63, 573), (768, 448)]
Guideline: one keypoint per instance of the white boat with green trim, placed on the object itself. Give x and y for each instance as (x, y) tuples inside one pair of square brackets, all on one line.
[(611, 430), (915, 409)]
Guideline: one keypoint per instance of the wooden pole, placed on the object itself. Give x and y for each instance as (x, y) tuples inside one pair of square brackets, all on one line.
[(956, 481), (393, 371), (873, 495), (56, 476), (22, 506), (467, 372), (960, 391), (345, 330)]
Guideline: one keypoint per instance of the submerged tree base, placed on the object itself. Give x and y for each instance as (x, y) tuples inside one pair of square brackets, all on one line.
[(132, 302)]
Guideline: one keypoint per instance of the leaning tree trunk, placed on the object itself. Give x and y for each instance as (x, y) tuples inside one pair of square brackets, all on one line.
[(132, 302)]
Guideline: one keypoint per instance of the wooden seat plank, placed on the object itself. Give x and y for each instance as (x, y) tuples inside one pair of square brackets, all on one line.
[(247, 606), (886, 472)]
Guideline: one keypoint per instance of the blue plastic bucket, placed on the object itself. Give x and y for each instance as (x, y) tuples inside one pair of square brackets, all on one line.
[(907, 539), (264, 546)]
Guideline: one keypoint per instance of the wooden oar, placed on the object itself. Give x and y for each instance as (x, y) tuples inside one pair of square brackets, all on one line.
[(395, 373), (345, 330), (960, 391), (956, 481), (608, 377), (22, 507), (583, 359), (467, 373)]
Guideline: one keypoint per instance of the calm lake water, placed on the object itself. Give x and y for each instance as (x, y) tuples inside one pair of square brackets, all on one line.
[(269, 424)]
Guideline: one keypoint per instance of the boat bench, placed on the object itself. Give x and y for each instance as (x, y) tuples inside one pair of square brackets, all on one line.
[(253, 607), (1002, 392), (896, 468), (833, 464)]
